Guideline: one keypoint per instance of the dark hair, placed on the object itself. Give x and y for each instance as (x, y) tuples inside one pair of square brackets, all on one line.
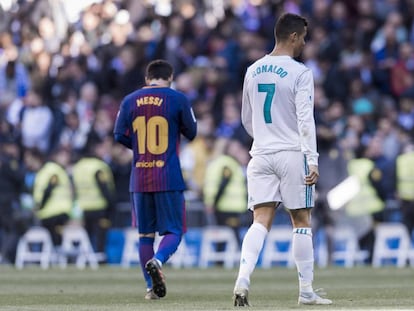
[(36, 153), (159, 69), (289, 23)]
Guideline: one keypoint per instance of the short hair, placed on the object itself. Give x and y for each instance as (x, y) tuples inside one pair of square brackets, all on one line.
[(287, 24), (159, 69)]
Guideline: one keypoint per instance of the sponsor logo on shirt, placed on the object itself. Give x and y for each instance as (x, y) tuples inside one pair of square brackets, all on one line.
[(150, 164)]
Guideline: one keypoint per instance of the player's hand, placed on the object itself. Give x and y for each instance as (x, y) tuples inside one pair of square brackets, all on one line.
[(313, 175)]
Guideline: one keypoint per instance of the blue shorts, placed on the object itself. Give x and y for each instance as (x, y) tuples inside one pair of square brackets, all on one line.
[(162, 212)]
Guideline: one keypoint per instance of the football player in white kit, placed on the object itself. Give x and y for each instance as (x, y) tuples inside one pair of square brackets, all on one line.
[(277, 111)]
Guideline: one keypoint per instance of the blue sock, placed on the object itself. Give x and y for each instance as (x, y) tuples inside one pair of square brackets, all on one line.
[(146, 252), (168, 246)]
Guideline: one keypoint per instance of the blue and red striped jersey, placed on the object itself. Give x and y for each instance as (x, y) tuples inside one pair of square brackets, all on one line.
[(150, 121)]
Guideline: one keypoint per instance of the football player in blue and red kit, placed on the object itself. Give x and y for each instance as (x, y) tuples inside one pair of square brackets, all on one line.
[(150, 122)]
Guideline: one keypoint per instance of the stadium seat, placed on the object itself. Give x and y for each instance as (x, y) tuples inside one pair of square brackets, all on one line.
[(411, 251), (278, 247), (192, 239), (35, 246), (345, 247), (76, 244), (212, 237), (320, 245), (392, 245), (182, 258), (114, 246), (130, 250), (411, 257)]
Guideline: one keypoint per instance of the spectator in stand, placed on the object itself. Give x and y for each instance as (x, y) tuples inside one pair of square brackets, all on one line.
[(11, 185), (40, 72), (385, 50), (130, 76), (196, 155), (33, 161), (47, 30), (355, 137), (36, 121), (120, 164), (390, 136), (225, 188), (188, 83), (405, 116), (52, 193), (310, 59), (94, 192), (330, 125), (230, 125), (14, 76), (102, 125), (86, 104), (73, 135), (169, 44), (402, 77), (382, 175), (361, 208), (405, 164)]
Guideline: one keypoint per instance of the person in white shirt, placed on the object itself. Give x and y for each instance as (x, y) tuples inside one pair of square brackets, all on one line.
[(277, 112), (36, 122)]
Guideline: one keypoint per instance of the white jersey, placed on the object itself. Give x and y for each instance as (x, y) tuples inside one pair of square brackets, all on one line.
[(277, 108)]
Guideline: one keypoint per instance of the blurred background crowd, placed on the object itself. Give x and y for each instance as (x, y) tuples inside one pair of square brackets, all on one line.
[(66, 65)]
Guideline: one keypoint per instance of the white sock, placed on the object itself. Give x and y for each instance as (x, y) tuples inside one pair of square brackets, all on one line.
[(302, 247), (159, 262), (250, 251)]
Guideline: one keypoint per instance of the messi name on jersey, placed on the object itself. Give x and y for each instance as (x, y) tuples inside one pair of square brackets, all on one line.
[(149, 100)]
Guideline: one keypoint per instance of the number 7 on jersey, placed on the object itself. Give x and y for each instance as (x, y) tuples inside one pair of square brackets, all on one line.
[(269, 89)]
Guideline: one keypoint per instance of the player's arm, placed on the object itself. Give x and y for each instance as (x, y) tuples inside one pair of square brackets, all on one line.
[(188, 120), (225, 179), (105, 185), (246, 111), (306, 122), (122, 126), (53, 182), (211, 187)]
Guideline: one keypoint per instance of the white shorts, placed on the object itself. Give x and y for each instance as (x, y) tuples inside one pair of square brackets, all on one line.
[(279, 177)]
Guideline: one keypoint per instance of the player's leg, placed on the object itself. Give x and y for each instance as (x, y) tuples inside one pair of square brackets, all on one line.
[(302, 248), (252, 245), (170, 223), (143, 213), (263, 193), (299, 199)]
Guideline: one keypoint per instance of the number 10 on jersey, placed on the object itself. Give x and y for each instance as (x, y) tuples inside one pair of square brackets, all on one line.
[(152, 134)]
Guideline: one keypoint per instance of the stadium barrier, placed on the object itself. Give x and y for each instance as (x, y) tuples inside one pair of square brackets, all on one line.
[(200, 247)]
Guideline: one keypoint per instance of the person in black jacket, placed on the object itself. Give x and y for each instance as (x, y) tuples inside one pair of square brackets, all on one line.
[(11, 183)]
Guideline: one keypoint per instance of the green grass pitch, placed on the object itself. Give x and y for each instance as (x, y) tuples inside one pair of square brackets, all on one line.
[(115, 288)]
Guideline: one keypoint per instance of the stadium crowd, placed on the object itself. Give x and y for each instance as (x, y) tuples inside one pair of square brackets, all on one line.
[(64, 71)]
